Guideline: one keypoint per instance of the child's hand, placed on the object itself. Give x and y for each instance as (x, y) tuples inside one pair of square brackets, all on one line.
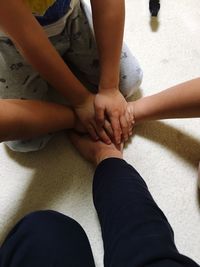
[(130, 111), (86, 114), (78, 127), (111, 103)]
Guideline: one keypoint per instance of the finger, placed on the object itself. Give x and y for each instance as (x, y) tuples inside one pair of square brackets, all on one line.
[(104, 137), (116, 129), (92, 132), (120, 146), (99, 115), (130, 125), (108, 128), (102, 134), (125, 128), (132, 116)]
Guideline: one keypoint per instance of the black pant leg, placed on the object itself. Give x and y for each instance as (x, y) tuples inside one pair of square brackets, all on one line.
[(135, 231), (46, 239)]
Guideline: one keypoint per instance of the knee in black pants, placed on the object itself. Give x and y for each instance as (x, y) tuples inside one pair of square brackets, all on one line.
[(44, 238)]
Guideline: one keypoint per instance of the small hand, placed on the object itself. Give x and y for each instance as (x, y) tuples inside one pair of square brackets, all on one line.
[(111, 103), (86, 114), (131, 111)]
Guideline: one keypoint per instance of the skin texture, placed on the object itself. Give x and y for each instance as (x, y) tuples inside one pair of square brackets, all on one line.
[(109, 101), (180, 101), (95, 152), (24, 119)]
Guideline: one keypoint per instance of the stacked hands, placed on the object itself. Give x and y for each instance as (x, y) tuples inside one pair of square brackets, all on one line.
[(106, 116)]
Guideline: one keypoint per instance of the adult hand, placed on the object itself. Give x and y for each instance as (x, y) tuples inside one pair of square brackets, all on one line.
[(110, 104)]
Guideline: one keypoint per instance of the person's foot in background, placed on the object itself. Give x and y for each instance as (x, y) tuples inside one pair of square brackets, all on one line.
[(94, 151)]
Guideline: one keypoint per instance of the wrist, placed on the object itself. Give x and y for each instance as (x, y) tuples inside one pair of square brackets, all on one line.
[(135, 107), (109, 81), (108, 89), (133, 110), (140, 110), (109, 86), (81, 102)]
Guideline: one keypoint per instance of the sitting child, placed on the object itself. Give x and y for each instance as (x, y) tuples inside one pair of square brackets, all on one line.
[(56, 38)]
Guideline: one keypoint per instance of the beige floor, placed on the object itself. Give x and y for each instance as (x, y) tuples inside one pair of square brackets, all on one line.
[(165, 153)]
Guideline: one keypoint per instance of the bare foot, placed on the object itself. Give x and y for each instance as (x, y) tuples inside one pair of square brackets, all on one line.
[(94, 151)]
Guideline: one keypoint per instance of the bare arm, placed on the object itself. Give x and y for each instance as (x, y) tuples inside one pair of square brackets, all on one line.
[(18, 22), (22, 119), (108, 18), (180, 101)]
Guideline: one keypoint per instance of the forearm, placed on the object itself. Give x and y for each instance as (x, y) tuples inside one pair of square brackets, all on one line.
[(23, 119), (108, 18), (35, 46), (45, 59), (180, 101)]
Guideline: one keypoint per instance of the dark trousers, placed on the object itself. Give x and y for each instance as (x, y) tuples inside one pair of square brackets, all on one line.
[(135, 231)]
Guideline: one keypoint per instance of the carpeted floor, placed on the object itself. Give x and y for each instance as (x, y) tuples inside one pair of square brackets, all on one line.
[(165, 153)]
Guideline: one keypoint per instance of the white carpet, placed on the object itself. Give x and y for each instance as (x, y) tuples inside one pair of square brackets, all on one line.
[(165, 153)]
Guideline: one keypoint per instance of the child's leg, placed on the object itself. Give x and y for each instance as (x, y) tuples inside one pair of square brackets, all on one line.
[(84, 59), (19, 81), (130, 73)]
